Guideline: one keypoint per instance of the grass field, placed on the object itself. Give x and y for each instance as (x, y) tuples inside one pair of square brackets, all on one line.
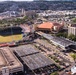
[(10, 38)]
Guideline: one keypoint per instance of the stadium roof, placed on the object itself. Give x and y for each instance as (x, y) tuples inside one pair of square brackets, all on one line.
[(32, 57), (63, 42), (36, 61), (26, 50)]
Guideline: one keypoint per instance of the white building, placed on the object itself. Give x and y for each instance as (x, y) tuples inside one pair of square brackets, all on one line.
[(73, 70), (72, 29)]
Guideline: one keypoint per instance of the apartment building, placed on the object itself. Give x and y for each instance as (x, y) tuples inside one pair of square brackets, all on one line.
[(72, 29)]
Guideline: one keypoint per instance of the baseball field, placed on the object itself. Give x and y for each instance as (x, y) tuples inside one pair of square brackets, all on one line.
[(9, 35)]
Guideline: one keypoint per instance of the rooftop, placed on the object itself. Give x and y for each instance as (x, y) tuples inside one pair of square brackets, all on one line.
[(58, 40), (36, 61), (32, 57), (46, 25), (26, 50), (7, 58), (50, 26)]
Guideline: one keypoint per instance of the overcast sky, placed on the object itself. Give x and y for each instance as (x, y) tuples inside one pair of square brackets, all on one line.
[(31, 0), (16, 0)]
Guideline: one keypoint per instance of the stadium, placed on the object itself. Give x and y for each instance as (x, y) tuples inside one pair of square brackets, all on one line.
[(10, 34)]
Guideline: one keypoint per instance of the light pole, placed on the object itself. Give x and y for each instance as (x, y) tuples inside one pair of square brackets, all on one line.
[(11, 31)]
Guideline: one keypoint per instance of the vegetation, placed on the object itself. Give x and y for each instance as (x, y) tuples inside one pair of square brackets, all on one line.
[(54, 58), (54, 73), (65, 34), (74, 20), (72, 37), (73, 55), (62, 34), (17, 21), (58, 5)]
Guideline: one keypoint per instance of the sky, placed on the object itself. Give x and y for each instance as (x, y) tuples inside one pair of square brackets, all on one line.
[(29, 0), (16, 0)]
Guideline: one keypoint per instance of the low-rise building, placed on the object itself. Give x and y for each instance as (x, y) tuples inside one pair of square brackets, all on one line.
[(50, 26), (9, 14), (9, 64)]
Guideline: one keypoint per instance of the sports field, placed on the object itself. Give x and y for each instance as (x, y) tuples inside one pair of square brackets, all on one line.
[(8, 36)]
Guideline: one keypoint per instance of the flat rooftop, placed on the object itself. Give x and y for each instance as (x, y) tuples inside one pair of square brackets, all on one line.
[(8, 59), (2, 61), (36, 61), (32, 57), (58, 40), (25, 50), (62, 41)]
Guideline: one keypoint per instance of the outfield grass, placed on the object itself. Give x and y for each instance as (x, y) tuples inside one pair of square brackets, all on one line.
[(10, 38)]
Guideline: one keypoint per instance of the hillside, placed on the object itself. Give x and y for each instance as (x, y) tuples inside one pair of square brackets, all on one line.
[(38, 5)]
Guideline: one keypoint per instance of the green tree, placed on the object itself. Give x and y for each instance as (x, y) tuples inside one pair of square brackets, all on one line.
[(74, 20), (73, 56), (72, 37), (61, 34), (54, 73)]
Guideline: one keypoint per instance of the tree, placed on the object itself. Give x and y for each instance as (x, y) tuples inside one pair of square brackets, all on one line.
[(73, 56), (60, 34), (72, 37), (54, 73), (74, 20)]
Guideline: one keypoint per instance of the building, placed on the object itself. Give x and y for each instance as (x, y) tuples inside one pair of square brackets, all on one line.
[(58, 41), (30, 13), (73, 70), (50, 26), (72, 29), (35, 63), (9, 15), (9, 64)]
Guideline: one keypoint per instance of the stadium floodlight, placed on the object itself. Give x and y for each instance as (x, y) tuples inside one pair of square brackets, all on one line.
[(12, 31)]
